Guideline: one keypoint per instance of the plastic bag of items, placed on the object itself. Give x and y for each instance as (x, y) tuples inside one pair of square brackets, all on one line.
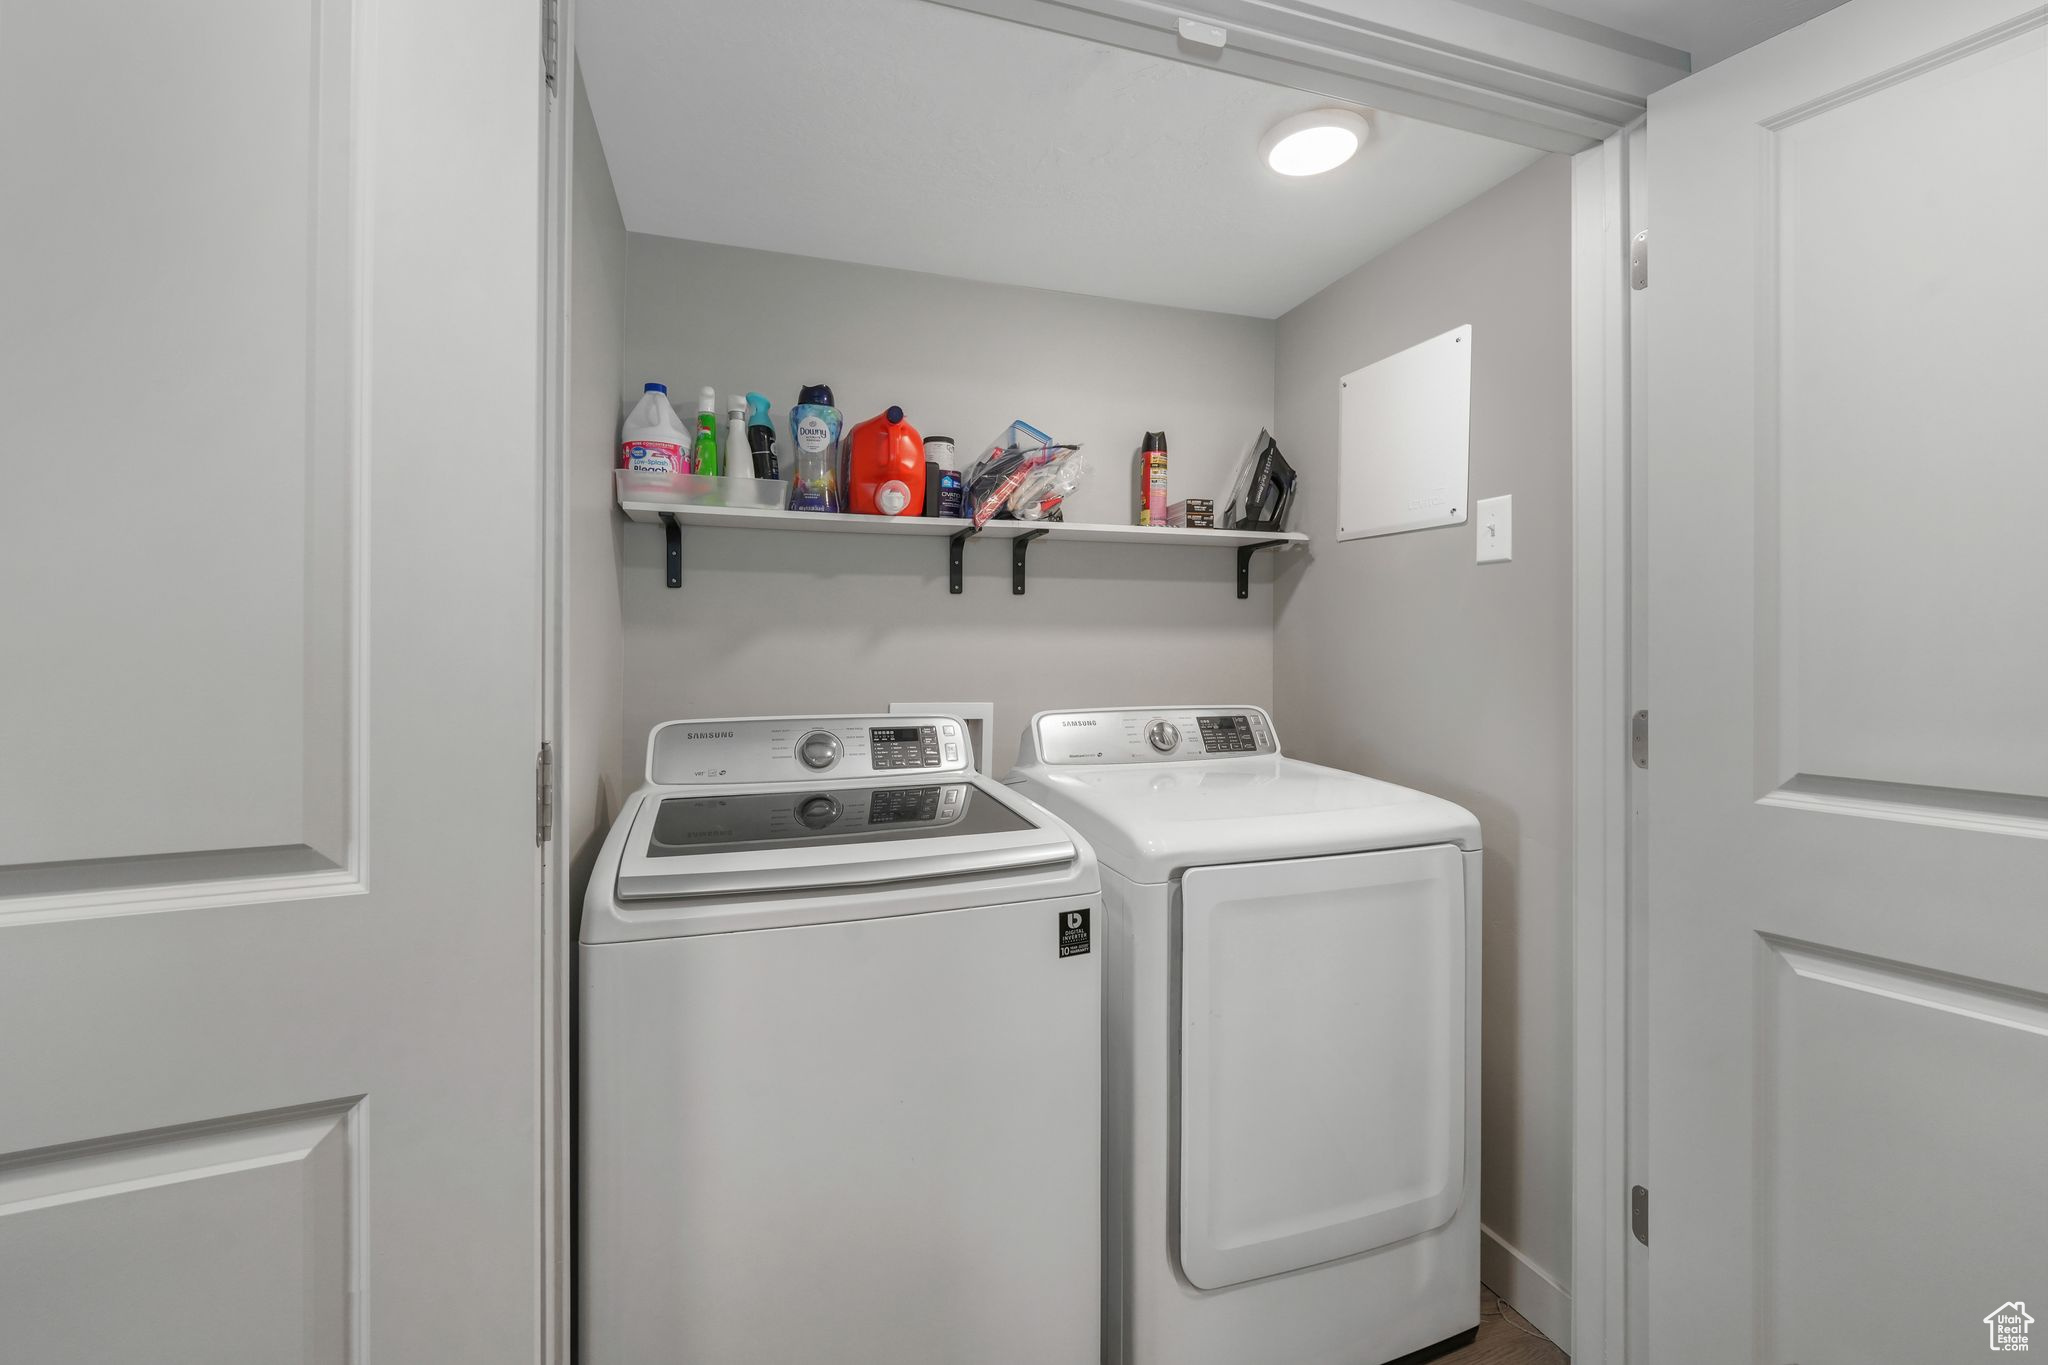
[(1024, 476)]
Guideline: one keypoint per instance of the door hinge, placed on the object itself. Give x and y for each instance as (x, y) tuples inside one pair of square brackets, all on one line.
[(1639, 260), (550, 38), (1639, 1214), (1639, 738), (544, 794)]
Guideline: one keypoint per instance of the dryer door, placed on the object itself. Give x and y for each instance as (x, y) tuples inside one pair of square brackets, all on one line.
[(1322, 1087)]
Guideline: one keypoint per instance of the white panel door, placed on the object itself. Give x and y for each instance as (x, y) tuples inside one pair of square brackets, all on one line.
[(1322, 1072), (1848, 417), (268, 681)]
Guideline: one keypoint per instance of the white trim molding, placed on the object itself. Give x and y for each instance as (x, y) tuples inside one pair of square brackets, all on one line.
[(555, 1058), (1523, 1285), (1600, 756), (1519, 73)]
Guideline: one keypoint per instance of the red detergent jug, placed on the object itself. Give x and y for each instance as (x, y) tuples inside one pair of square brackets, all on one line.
[(885, 467)]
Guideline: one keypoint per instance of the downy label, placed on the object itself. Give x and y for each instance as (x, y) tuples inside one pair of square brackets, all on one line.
[(813, 434)]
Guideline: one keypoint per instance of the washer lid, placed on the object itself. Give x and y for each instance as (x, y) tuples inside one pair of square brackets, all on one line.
[(762, 839), (1151, 821)]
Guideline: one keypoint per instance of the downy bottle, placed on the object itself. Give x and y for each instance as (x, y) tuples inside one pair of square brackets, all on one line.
[(815, 425)]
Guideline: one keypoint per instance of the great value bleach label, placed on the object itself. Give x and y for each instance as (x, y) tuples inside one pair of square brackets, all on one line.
[(663, 457)]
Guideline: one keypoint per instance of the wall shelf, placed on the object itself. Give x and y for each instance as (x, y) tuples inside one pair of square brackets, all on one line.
[(672, 517)]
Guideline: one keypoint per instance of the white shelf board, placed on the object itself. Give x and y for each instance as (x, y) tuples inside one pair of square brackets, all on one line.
[(842, 523), (1109, 533)]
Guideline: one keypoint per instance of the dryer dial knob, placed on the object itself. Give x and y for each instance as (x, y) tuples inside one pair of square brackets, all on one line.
[(816, 812), (1163, 735), (818, 750)]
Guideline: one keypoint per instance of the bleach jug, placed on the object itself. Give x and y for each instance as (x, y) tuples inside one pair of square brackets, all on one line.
[(652, 439)]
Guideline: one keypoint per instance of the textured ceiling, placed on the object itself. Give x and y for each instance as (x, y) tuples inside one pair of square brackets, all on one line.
[(903, 133)]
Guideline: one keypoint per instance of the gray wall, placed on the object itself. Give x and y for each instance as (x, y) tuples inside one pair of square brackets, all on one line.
[(1402, 658), (591, 778), (785, 621)]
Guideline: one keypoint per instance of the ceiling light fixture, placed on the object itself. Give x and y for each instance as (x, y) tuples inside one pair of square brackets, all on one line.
[(1309, 144)]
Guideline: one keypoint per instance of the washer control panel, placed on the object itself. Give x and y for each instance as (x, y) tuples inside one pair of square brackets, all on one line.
[(904, 746), (1166, 735), (803, 749), (1230, 734)]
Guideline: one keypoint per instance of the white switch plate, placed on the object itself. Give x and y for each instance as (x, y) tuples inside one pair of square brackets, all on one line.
[(1496, 528)]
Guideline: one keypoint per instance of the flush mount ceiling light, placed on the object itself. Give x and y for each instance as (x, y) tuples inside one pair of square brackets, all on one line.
[(1309, 144)]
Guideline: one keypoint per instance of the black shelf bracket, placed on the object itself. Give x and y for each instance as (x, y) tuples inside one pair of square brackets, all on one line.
[(954, 543), (672, 532), (1017, 560), (1244, 564)]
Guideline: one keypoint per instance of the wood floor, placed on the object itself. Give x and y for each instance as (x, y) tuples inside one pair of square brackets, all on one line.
[(1505, 1338)]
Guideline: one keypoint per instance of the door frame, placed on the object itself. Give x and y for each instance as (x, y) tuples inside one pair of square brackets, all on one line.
[(1514, 77), (556, 1080), (1607, 537), (1520, 74)]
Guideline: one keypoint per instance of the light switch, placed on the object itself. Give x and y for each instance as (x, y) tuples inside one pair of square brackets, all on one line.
[(1496, 529)]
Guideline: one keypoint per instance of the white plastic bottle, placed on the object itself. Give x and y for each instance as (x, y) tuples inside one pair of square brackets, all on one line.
[(653, 439), (739, 459)]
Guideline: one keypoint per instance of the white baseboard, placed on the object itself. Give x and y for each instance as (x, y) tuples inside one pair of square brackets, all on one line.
[(1525, 1287)]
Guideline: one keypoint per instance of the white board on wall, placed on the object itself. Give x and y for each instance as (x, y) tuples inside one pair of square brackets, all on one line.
[(1404, 436)]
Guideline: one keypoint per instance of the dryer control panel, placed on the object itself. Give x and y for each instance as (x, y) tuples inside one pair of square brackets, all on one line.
[(804, 749), (1165, 735)]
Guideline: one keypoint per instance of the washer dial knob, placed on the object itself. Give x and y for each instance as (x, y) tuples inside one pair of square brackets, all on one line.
[(1163, 735), (818, 750), (816, 812)]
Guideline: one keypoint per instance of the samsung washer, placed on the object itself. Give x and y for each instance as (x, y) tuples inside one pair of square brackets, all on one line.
[(1291, 986), (840, 1058)]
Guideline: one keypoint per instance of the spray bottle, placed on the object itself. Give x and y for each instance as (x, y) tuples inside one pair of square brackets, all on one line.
[(761, 437), (738, 465), (704, 459)]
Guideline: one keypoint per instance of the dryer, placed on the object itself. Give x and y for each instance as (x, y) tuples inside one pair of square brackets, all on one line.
[(839, 1057), (1291, 996)]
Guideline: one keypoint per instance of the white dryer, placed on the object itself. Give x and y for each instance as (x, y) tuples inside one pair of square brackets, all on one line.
[(840, 1058), (1291, 988)]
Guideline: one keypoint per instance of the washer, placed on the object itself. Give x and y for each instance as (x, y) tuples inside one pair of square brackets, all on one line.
[(1291, 995), (840, 1057)]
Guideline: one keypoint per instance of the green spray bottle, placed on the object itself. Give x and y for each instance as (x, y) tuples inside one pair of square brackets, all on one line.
[(704, 459)]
